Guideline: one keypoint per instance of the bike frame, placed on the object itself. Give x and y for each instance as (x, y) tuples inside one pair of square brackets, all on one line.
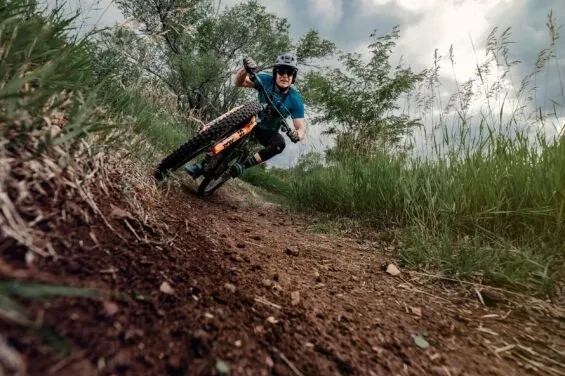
[(237, 135)]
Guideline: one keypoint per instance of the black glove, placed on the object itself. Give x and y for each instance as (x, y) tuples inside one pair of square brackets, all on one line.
[(294, 136), (250, 63)]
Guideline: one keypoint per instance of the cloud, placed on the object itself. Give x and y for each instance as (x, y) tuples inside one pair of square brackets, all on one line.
[(330, 11)]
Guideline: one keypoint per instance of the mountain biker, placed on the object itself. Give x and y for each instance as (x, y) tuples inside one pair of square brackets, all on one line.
[(284, 97)]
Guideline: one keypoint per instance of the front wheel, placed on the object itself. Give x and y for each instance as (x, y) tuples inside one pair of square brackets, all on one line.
[(204, 140)]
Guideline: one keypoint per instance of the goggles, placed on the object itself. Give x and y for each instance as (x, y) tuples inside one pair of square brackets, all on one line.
[(282, 70)]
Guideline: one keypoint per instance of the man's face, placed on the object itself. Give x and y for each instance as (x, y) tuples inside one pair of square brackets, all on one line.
[(284, 76)]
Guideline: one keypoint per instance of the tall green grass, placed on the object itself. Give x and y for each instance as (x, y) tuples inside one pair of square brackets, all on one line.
[(43, 64), (486, 202)]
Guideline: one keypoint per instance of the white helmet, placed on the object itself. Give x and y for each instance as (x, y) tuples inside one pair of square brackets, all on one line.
[(287, 59)]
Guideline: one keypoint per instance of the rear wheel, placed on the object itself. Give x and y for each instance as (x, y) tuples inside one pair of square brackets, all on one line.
[(204, 140), (220, 174)]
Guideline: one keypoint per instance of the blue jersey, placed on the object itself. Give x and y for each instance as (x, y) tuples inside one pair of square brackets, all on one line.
[(289, 104)]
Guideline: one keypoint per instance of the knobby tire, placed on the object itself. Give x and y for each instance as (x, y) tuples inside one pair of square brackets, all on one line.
[(205, 139)]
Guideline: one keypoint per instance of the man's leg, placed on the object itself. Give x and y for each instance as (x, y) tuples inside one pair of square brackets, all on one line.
[(196, 169), (273, 143)]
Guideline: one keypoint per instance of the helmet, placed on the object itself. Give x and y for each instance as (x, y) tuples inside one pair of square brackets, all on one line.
[(288, 60)]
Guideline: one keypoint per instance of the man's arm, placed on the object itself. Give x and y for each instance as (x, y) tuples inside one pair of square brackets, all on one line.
[(300, 128), (242, 79)]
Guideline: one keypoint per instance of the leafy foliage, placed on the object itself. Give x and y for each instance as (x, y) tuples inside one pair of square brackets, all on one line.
[(361, 100), (195, 49)]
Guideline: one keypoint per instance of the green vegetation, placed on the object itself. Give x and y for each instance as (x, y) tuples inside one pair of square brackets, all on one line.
[(486, 204)]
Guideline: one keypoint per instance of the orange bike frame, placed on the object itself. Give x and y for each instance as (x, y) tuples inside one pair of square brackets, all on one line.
[(242, 132)]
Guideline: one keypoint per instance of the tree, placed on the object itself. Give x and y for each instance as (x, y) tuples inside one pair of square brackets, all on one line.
[(361, 100), (195, 49)]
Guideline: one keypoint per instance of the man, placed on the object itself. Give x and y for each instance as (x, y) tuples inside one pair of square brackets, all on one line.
[(284, 97)]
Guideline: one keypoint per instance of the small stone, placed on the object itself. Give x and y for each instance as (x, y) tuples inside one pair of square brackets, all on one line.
[(317, 276), (259, 329), (101, 364), (295, 298), (292, 251), (237, 343), (132, 333), (267, 282), (165, 288), (269, 362), (110, 308), (272, 320), (160, 313), (392, 270), (230, 287), (201, 335)]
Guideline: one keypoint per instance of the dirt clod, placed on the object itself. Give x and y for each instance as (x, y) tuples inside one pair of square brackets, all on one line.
[(230, 287), (292, 251), (295, 298)]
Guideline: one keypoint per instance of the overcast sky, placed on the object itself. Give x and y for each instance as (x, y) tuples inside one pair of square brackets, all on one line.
[(424, 26)]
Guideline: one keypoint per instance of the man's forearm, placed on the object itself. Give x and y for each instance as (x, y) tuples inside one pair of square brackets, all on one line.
[(240, 77)]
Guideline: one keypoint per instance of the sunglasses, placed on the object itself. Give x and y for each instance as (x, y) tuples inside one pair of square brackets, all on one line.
[(286, 70)]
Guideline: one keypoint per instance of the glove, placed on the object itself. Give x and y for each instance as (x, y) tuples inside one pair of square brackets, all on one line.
[(250, 63), (294, 136)]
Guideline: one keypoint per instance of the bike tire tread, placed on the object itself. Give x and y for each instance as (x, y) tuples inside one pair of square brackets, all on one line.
[(189, 150)]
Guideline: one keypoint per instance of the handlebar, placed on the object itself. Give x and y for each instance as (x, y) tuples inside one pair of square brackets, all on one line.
[(253, 76)]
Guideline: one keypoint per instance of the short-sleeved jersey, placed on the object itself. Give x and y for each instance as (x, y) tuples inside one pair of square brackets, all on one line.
[(289, 104)]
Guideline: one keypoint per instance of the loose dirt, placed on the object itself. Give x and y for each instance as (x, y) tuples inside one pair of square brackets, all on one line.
[(235, 283)]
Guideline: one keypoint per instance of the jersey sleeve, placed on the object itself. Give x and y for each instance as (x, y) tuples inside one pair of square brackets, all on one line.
[(297, 111), (265, 78)]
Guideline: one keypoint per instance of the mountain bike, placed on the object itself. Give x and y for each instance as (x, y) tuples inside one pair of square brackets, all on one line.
[(225, 141)]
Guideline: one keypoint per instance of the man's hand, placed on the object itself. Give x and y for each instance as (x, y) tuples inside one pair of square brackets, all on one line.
[(250, 63), (295, 135)]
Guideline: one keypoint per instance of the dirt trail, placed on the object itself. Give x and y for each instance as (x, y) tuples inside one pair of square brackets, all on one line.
[(257, 288)]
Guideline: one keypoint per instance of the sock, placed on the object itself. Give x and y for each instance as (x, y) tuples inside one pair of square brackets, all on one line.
[(250, 162)]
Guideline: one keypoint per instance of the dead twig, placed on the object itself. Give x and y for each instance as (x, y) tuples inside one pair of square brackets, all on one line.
[(532, 352), (288, 362), (539, 365), (410, 288), (266, 302), (132, 230)]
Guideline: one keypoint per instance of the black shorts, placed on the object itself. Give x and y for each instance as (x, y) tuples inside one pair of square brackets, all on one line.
[(272, 141)]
